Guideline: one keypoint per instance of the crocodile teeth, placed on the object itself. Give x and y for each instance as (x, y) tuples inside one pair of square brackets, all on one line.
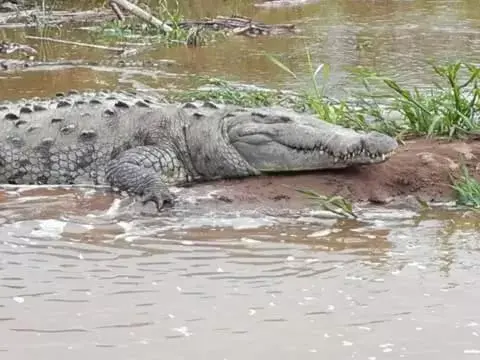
[(349, 155)]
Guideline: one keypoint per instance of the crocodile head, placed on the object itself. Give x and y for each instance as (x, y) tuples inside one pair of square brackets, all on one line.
[(279, 140)]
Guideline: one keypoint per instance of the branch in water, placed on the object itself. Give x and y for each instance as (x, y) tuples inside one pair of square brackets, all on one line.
[(142, 14), (75, 43)]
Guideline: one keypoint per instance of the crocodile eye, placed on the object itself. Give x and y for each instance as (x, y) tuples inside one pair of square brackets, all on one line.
[(278, 119), (270, 118), (284, 119), (262, 115)]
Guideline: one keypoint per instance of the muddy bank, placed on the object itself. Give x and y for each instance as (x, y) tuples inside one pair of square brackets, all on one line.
[(419, 168)]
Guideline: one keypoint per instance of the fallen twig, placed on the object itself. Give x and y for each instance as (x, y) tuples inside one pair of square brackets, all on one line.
[(31, 18), (334, 204), (142, 14), (75, 43), (117, 11)]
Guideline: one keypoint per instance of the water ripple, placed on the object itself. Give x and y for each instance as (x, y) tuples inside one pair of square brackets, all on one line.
[(391, 283)]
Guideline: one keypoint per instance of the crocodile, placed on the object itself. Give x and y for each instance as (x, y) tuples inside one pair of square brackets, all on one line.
[(142, 145)]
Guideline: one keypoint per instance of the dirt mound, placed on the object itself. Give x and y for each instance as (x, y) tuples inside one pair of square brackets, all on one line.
[(420, 167)]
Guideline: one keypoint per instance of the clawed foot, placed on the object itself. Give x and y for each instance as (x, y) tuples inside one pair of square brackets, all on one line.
[(126, 173), (161, 199)]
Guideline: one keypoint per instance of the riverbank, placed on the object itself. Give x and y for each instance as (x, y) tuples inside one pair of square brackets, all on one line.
[(420, 169)]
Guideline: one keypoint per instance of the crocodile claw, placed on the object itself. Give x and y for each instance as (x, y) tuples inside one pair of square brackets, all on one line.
[(161, 200)]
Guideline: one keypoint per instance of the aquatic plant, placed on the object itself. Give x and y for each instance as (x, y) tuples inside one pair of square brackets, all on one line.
[(451, 109), (336, 204), (467, 189)]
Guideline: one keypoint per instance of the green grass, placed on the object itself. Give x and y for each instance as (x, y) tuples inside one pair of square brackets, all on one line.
[(467, 189), (447, 110), (224, 92)]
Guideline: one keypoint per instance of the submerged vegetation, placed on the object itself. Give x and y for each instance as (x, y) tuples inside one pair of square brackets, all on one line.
[(336, 204)]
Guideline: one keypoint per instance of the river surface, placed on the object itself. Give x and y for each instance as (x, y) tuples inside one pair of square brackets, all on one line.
[(78, 281), (79, 278)]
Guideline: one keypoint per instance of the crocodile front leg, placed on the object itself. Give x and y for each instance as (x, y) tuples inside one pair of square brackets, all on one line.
[(145, 171)]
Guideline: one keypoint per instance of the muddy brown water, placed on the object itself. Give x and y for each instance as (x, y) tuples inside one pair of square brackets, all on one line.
[(81, 278), (79, 281)]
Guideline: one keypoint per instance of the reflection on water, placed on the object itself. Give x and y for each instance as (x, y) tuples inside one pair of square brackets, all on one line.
[(78, 282)]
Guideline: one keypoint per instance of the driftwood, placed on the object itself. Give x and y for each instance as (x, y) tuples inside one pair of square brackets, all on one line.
[(139, 12), (116, 9), (31, 18), (236, 25), (283, 3), (11, 47)]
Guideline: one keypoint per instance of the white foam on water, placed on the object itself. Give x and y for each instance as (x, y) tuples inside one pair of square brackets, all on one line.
[(114, 207), (49, 228), (237, 222), (37, 198), (471, 351), (23, 188)]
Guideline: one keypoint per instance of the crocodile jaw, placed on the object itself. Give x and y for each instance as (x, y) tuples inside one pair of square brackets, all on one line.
[(285, 141)]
